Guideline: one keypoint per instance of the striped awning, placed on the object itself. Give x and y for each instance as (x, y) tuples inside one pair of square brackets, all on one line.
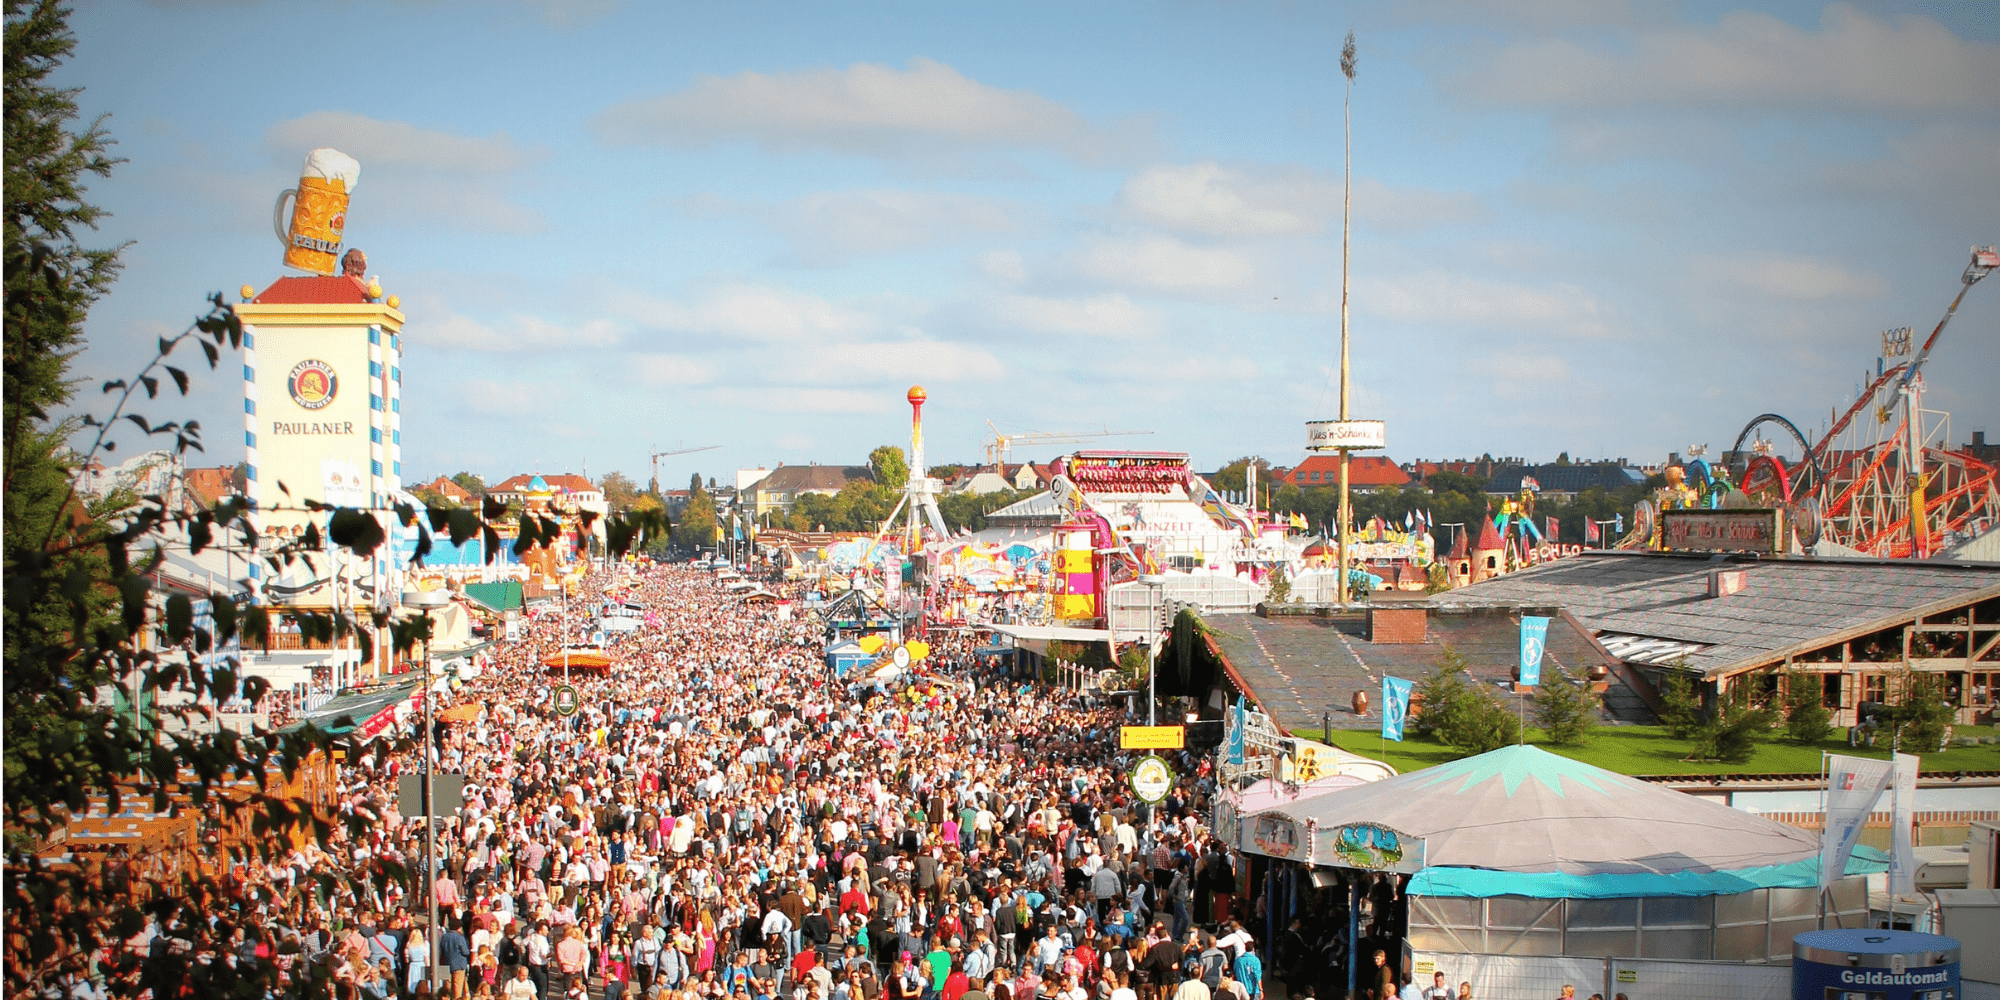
[(1647, 649)]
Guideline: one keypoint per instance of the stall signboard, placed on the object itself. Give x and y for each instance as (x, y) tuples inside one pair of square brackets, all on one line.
[(1276, 835), (1227, 822), (1152, 737), (1345, 435), (1369, 847), (1152, 779), (566, 700), (1739, 530)]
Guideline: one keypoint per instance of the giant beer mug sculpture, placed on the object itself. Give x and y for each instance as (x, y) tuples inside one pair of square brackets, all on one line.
[(311, 235)]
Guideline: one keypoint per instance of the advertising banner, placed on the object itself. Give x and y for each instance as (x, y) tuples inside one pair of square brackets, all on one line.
[(1903, 798), (1395, 707), (1853, 785), (1534, 638)]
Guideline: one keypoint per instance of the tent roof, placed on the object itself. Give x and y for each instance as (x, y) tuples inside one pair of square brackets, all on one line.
[(505, 595), (1523, 821)]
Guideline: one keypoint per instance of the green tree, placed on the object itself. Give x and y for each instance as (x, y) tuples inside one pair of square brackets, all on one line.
[(696, 529), (1459, 712), (1565, 709), (471, 484), (1806, 717), (890, 469), (1730, 730), (1921, 720), (620, 492), (1281, 586), (1680, 703)]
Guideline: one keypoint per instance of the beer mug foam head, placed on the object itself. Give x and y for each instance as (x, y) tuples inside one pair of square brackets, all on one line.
[(318, 214)]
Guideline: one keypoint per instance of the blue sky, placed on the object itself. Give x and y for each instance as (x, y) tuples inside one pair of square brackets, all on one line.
[(1612, 229)]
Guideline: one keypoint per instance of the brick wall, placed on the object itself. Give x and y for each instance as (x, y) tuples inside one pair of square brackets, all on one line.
[(1397, 625)]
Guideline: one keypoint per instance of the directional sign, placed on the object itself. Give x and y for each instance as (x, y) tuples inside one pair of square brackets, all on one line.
[(1152, 737), (567, 701)]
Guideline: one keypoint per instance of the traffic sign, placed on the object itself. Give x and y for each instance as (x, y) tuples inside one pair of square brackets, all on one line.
[(1152, 779), (1152, 737), (567, 701)]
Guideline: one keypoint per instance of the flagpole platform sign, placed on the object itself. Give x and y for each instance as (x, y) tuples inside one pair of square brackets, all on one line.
[(567, 701), (1534, 639), (1152, 737), (1152, 779), (1368, 847), (1345, 435)]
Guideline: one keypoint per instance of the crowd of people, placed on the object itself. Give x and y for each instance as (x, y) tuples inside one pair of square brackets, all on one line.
[(720, 819)]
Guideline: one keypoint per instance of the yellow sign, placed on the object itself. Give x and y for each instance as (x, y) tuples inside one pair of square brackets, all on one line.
[(1152, 737), (1306, 766)]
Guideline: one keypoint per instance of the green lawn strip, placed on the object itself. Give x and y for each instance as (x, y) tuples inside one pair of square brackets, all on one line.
[(1653, 750)]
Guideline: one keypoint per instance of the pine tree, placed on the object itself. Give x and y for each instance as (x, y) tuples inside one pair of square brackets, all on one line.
[(1806, 717), (1565, 709)]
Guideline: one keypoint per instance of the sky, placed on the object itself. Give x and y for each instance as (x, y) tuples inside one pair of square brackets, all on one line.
[(1588, 226)]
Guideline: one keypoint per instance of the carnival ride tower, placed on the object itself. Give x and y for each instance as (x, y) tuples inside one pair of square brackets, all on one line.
[(920, 492), (1883, 480)]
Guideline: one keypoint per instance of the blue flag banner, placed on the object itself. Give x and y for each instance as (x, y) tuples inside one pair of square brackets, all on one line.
[(1236, 732), (1534, 637), (1395, 707)]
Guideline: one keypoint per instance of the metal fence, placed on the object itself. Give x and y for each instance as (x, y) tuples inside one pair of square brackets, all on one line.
[(1503, 977)]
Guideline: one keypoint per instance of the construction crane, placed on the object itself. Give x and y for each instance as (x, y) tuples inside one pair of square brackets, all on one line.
[(1001, 447), (678, 451)]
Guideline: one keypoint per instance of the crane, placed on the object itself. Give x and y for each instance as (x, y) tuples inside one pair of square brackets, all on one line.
[(677, 451), (1001, 447)]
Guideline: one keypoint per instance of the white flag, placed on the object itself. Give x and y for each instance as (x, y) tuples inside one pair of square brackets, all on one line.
[(1902, 856), (1853, 785)]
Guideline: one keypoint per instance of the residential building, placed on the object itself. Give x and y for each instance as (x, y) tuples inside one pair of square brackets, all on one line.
[(786, 483), (573, 488), (1009, 476), (1365, 473), (1563, 482), (444, 487)]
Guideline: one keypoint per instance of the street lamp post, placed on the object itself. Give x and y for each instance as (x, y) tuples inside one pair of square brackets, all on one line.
[(427, 601)]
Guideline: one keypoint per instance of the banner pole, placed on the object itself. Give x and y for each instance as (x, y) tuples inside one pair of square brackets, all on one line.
[(1819, 898)]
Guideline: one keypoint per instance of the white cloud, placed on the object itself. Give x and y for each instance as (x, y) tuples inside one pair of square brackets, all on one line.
[(1944, 169), (753, 312), (391, 143), (435, 326), (867, 109), (1210, 199), (1457, 299), (1207, 198), (917, 360), (792, 400), (1003, 266), (1755, 60), (670, 369), (1165, 264), (1791, 277), (1109, 315), (487, 397), (833, 226)]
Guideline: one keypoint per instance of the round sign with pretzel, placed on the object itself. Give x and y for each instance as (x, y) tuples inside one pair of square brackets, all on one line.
[(1152, 779)]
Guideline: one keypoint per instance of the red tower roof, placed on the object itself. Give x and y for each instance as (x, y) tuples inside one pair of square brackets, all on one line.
[(336, 290), (1489, 536)]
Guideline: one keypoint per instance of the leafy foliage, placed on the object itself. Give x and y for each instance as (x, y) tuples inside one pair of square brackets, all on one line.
[(1922, 718), (1729, 732), (1281, 586), (1460, 713), (1806, 717), (620, 492), (890, 467), (1565, 709)]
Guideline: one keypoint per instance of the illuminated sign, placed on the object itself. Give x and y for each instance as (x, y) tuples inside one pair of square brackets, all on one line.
[(312, 384)]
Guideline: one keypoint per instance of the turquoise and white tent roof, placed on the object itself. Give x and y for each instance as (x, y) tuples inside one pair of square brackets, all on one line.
[(1523, 821)]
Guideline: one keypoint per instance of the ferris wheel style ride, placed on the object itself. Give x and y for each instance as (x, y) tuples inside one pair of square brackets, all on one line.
[(1883, 480)]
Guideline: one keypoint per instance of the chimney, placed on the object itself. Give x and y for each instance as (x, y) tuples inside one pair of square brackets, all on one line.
[(1724, 582), (1979, 439)]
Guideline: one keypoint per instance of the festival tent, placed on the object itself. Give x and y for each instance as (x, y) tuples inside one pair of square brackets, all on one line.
[(1520, 821)]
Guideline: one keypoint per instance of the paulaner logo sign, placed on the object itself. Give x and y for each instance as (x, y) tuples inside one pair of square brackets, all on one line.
[(312, 384)]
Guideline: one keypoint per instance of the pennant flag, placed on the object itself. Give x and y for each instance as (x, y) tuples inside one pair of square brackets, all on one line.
[(1237, 721), (1555, 531), (1853, 784), (1534, 637), (1618, 524), (1409, 523), (1591, 532), (1395, 706), (1298, 521)]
